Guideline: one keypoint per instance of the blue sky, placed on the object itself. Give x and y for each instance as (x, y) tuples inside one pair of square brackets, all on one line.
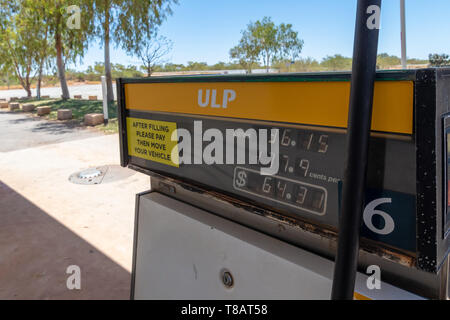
[(205, 30)]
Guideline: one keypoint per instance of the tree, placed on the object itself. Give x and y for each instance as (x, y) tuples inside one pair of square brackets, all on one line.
[(23, 34), (291, 45), (263, 40), (37, 21), (246, 52), (439, 60), (6, 68), (127, 23), (152, 51), (266, 35), (69, 42)]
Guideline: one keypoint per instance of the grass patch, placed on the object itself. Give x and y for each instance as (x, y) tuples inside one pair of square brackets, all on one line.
[(79, 109), (110, 128), (53, 115)]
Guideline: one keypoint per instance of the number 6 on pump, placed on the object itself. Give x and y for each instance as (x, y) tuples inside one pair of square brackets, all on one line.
[(370, 211)]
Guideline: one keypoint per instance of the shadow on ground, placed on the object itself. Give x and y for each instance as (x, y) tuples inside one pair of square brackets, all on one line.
[(57, 127), (20, 130), (35, 251), (21, 120)]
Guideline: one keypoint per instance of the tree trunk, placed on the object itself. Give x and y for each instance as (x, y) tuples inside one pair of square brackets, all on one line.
[(60, 64), (28, 87), (23, 81), (109, 87), (38, 86), (41, 65)]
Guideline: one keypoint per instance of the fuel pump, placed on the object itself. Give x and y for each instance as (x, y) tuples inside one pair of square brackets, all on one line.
[(257, 180)]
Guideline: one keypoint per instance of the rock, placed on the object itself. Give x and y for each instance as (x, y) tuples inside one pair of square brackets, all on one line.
[(92, 97), (28, 107), (93, 119), (77, 96), (64, 114), (14, 106), (43, 110)]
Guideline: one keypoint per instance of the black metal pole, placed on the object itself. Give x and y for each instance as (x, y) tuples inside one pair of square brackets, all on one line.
[(359, 121)]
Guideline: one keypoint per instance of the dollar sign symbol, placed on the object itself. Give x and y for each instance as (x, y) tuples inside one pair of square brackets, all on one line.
[(241, 179)]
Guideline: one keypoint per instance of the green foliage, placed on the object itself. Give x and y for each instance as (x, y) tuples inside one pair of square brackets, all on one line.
[(93, 73), (133, 21), (7, 74), (268, 43), (79, 107), (246, 53), (300, 65), (439, 60), (225, 66), (198, 66), (336, 63), (121, 71), (385, 60), (130, 24), (111, 127), (33, 33), (264, 41), (170, 67), (74, 41), (24, 34), (44, 23), (416, 61), (291, 45)]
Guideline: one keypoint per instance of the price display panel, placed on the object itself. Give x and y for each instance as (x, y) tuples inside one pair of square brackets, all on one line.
[(278, 142)]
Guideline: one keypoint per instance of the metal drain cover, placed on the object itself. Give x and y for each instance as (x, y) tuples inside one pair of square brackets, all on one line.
[(101, 174), (89, 173), (89, 176)]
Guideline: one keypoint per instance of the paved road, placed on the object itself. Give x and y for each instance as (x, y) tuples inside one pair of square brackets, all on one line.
[(48, 223), (20, 131), (55, 92)]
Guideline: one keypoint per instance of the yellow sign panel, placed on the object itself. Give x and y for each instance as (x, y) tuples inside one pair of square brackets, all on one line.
[(151, 140), (359, 296), (313, 103)]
